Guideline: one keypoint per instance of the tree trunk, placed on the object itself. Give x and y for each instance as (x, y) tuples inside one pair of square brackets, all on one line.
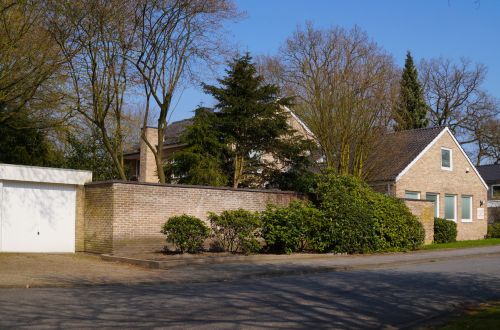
[(238, 170)]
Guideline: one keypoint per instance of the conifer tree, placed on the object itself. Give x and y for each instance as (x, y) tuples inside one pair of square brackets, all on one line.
[(411, 111), (250, 115)]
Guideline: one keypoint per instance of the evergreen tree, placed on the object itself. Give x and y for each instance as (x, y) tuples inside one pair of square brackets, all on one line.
[(250, 116), (411, 109), (204, 160)]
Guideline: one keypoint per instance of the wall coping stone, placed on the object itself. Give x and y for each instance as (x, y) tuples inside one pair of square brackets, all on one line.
[(166, 185)]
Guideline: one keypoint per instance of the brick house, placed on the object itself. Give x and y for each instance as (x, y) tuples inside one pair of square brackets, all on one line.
[(141, 161), (491, 175), (429, 164)]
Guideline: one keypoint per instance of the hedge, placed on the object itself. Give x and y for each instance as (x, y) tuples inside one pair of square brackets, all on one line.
[(236, 231), (494, 230), (445, 231), (186, 232)]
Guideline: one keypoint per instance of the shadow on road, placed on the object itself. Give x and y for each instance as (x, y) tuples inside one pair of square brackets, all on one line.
[(361, 299)]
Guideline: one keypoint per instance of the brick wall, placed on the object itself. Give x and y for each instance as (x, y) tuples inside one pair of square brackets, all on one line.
[(80, 219), (424, 211), (126, 217), (99, 205), (426, 176)]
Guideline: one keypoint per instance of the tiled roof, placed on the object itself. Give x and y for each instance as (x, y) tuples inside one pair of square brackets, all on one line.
[(175, 130), (490, 173), (393, 152)]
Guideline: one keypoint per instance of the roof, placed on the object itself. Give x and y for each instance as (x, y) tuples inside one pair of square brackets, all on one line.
[(175, 130), (394, 152), (490, 173)]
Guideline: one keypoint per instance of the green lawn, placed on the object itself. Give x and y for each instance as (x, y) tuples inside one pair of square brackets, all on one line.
[(463, 244), (485, 317)]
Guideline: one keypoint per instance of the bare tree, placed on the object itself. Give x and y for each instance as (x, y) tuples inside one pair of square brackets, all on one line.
[(30, 65), (344, 85), (455, 96), (488, 141), (172, 37), (95, 37)]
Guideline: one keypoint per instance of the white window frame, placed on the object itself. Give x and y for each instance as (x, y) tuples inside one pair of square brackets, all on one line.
[(493, 185), (455, 207), (470, 206), (438, 209), (451, 159), (413, 191)]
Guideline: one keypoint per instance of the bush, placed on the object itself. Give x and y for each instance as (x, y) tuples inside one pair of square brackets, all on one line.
[(494, 230), (186, 232), (236, 230), (360, 220), (445, 231), (292, 229), (396, 227)]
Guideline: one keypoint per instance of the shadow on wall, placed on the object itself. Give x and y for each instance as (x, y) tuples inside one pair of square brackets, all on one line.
[(364, 299)]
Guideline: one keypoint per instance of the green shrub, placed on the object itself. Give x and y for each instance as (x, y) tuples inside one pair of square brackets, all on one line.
[(445, 231), (236, 230), (360, 220), (396, 227), (292, 229), (186, 232), (494, 230)]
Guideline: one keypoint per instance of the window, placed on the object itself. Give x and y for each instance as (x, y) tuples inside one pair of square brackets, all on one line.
[(450, 207), (495, 191), (446, 160), (412, 195), (466, 208), (434, 198)]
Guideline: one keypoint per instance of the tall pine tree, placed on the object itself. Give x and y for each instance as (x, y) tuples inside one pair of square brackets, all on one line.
[(411, 111), (250, 115)]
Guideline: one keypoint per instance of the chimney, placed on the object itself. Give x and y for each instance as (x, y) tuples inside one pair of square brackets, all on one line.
[(147, 172)]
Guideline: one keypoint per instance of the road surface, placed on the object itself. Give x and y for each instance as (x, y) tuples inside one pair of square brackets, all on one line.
[(390, 296)]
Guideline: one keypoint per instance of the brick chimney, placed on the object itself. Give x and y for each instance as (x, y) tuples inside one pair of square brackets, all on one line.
[(147, 172)]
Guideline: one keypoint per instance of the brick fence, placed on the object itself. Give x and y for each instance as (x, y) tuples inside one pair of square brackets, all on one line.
[(424, 211), (122, 217)]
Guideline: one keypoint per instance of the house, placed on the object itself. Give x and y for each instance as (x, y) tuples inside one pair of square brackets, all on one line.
[(142, 163), (491, 175), (429, 164)]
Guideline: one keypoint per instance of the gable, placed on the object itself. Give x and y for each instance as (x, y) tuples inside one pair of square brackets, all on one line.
[(428, 161)]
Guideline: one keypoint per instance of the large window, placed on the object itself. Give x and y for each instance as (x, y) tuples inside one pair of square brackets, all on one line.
[(446, 159), (412, 195), (450, 203), (495, 191), (434, 198), (466, 208)]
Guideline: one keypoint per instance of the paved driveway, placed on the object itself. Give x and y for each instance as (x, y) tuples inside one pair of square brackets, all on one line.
[(393, 295)]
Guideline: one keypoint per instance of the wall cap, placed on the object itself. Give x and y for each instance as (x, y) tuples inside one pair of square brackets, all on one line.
[(113, 182)]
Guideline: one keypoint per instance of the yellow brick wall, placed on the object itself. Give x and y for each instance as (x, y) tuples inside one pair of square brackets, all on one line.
[(426, 175), (80, 219), (424, 211), (127, 217)]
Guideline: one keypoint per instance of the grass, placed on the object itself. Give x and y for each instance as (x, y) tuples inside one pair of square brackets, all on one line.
[(463, 244), (485, 317)]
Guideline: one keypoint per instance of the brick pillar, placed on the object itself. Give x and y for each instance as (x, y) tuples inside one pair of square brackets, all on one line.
[(147, 171)]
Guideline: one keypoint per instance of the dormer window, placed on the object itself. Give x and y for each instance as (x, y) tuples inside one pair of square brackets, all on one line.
[(446, 159)]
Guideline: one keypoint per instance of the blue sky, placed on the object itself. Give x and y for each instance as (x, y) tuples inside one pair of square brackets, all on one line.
[(428, 28)]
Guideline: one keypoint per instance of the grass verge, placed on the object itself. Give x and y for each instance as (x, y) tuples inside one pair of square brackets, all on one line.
[(463, 244), (485, 317)]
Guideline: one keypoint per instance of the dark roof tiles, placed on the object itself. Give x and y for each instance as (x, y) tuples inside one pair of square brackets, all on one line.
[(393, 152), (490, 173)]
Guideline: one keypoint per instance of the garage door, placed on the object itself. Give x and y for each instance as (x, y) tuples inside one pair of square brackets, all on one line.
[(37, 217)]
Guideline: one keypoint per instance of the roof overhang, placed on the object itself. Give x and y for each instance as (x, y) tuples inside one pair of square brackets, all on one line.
[(11, 172)]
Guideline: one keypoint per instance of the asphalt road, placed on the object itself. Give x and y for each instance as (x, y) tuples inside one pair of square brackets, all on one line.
[(386, 296)]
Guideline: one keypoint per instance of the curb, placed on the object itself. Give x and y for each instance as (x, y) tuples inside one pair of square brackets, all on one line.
[(212, 260), (259, 259)]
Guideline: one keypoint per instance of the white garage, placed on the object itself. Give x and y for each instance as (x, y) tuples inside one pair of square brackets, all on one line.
[(38, 208)]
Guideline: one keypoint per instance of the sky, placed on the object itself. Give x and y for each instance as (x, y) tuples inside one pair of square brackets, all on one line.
[(428, 28)]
